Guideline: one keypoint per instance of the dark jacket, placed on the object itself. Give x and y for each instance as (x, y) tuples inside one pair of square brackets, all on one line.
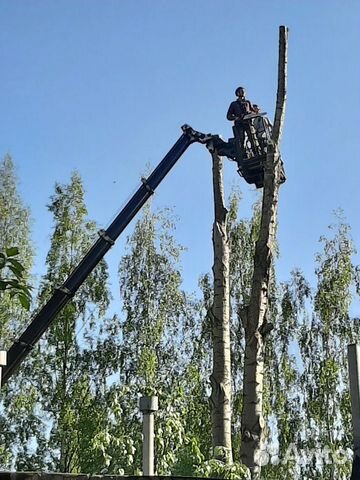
[(239, 108)]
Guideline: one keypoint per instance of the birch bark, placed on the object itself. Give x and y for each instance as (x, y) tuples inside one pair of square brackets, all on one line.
[(220, 317), (255, 317)]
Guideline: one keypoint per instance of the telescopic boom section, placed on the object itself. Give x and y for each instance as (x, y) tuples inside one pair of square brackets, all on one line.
[(61, 296)]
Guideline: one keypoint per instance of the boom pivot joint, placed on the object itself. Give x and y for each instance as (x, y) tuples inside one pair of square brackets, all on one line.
[(147, 186), (102, 234), (196, 136)]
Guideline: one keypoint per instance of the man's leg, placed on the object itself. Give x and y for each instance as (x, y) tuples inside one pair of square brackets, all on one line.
[(239, 140)]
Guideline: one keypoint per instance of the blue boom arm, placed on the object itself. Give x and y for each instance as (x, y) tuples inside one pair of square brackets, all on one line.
[(61, 296)]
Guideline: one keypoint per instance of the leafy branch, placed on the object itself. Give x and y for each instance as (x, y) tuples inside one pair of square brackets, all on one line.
[(12, 277)]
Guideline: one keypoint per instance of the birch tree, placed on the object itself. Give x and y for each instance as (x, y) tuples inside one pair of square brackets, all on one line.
[(283, 394), (220, 318), (158, 336), (255, 316), (323, 344), (57, 375)]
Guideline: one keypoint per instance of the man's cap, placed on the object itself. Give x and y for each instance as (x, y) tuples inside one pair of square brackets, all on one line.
[(239, 88)]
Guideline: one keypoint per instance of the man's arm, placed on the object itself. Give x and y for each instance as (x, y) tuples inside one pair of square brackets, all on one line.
[(252, 109), (231, 114)]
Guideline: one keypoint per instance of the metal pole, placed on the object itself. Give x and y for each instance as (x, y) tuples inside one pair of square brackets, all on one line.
[(3, 356), (354, 377), (148, 405)]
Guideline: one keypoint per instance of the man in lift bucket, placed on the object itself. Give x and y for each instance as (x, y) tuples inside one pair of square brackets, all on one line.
[(236, 113)]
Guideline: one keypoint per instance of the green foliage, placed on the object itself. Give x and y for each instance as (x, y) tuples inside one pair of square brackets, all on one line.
[(15, 289), (217, 469), (12, 277), (323, 344), (68, 387), (158, 345), (65, 412), (15, 261)]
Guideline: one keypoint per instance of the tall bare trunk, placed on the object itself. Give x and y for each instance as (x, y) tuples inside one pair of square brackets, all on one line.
[(255, 316), (220, 316)]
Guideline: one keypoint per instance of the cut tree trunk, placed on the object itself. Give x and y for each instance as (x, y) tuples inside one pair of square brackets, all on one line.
[(220, 318), (255, 316)]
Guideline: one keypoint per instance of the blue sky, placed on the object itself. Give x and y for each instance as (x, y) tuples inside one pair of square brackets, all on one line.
[(104, 86)]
